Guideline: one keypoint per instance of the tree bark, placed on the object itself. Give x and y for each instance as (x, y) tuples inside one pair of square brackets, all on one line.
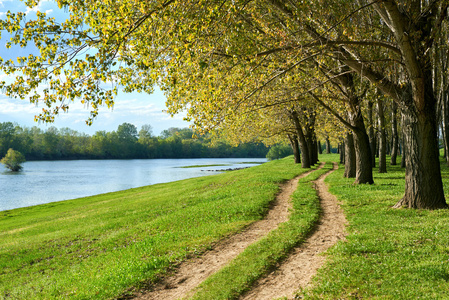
[(364, 169), (423, 184), (341, 146), (315, 149), (371, 136), (328, 145), (364, 172), (312, 149), (403, 156), (295, 147), (394, 133), (382, 138), (350, 157), (310, 136), (445, 118), (305, 161)]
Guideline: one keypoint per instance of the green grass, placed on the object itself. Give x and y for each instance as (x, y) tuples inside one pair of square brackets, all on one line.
[(99, 247), (221, 165), (389, 253), (262, 256)]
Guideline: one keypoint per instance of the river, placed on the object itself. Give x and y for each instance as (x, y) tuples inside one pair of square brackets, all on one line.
[(48, 181)]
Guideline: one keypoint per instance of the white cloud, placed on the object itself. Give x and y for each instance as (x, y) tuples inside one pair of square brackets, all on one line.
[(39, 7), (2, 2), (7, 78), (15, 106)]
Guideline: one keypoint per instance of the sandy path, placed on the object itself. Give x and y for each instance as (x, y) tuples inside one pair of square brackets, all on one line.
[(192, 272), (298, 269)]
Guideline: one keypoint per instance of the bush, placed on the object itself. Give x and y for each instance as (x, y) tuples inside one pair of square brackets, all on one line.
[(13, 159), (279, 151)]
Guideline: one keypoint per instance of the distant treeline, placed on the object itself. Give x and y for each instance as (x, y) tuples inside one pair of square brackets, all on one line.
[(124, 143)]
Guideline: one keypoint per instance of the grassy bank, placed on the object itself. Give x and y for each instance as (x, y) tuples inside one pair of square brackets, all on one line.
[(389, 253), (98, 247)]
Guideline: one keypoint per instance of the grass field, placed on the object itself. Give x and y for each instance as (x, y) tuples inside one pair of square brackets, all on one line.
[(99, 247), (389, 253)]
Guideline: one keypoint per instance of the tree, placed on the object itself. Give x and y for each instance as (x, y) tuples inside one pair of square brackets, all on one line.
[(127, 132), (13, 160), (328, 145), (382, 137), (394, 133), (413, 27), (349, 152), (279, 151), (6, 136), (409, 29), (145, 132)]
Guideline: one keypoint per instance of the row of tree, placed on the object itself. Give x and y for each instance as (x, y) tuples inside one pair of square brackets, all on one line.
[(125, 142), (271, 69)]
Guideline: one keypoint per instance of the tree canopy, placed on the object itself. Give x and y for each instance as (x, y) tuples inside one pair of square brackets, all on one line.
[(255, 64), (13, 160)]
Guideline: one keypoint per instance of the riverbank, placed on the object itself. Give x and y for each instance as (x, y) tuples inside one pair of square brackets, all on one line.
[(48, 181), (101, 246)]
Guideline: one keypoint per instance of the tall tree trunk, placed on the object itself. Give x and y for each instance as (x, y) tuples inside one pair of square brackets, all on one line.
[(315, 149), (364, 169), (387, 144), (403, 156), (423, 184), (305, 161), (320, 151), (443, 137), (371, 136), (423, 181), (310, 135), (382, 138), (342, 152), (364, 172), (403, 141), (295, 147), (350, 157), (445, 118), (328, 145), (310, 146), (394, 133)]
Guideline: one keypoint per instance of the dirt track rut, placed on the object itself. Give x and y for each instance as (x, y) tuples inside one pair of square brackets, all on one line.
[(192, 272)]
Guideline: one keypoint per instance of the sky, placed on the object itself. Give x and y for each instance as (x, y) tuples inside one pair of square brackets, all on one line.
[(135, 108)]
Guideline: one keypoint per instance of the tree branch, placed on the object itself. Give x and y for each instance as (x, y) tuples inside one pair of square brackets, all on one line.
[(385, 85), (279, 74), (334, 113)]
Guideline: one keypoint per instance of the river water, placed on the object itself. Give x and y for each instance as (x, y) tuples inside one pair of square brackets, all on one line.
[(48, 181)]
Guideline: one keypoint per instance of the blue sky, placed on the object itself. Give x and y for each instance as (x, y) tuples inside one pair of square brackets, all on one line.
[(135, 108)]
